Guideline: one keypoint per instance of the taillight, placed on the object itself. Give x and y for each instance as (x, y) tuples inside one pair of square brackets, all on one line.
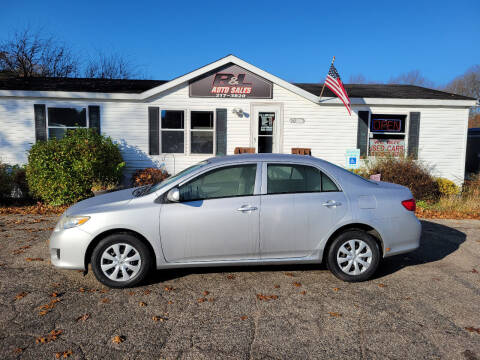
[(409, 204)]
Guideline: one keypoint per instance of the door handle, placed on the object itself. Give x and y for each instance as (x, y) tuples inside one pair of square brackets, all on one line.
[(245, 208), (331, 203)]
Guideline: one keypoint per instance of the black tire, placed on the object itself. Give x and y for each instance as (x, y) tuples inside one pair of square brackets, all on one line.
[(146, 259), (342, 239)]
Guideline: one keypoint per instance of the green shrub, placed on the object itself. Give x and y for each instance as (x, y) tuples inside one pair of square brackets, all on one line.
[(6, 182), (148, 176), (447, 187), (404, 171), (63, 171)]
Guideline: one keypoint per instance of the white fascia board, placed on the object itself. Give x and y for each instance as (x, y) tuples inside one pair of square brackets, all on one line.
[(223, 61), (401, 102), (69, 95)]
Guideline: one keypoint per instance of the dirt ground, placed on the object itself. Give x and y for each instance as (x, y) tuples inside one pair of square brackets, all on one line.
[(425, 304)]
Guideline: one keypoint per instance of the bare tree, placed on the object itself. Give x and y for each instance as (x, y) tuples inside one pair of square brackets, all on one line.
[(467, 84), (29, 54), (110, 67), (357, 79), (413, 77)]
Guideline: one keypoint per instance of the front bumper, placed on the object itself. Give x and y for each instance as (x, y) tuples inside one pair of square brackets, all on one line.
[(68, 248)]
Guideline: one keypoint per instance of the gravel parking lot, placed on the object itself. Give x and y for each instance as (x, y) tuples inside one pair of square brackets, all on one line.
[(421, 305)]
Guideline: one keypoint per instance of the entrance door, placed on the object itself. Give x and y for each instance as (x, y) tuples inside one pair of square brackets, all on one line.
[(266, 129)]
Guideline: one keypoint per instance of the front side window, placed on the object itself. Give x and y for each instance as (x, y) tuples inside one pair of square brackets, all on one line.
[(288, 178), (220, 183), (201, 132), (62, 119), (172, 131)]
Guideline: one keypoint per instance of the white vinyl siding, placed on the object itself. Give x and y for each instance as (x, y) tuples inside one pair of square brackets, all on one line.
[(328, 129)]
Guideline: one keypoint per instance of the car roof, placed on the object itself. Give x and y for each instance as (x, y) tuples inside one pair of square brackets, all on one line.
[(264, 157)]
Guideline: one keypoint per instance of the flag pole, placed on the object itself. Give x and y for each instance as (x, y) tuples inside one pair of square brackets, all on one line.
[(323, 87)]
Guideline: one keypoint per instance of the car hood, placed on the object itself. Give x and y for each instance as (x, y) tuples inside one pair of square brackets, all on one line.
[(101, 202)]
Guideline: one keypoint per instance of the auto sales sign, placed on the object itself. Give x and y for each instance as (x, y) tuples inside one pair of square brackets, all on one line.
[(231, 81)]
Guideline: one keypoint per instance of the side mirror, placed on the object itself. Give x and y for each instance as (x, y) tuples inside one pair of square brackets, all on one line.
[(173, 195)]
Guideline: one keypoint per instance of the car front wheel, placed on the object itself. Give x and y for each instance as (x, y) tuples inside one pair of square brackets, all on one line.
[(121, 260), (353, 256)]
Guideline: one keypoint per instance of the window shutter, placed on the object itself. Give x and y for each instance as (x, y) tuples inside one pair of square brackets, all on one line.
[(362, 132), (94, 117), (413, 135), (40, 122), (153, 131), (221, 135)]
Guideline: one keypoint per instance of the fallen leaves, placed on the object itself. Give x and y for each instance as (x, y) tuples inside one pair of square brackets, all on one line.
[(381, 285), (336, 289), (262, 297), (39, 208), (439, 214), (157, 318), (105, 300), (21, 295), (288, 274), (83, 317), (297, 284), (118, 339), (141, 303), (63, 354), (334, 314), (34, 259), (21, 249), (231, 277), (276, 286), (18, 350), (244, 317), (474, 271), (205, 293), (46, 308), (168, 288), (303, 292), (473, 329), (51, 336)]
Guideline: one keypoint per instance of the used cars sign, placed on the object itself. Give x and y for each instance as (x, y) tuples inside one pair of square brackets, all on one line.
[(231, 81)]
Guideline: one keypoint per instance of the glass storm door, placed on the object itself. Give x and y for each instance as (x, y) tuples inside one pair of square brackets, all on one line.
[(266, 129)]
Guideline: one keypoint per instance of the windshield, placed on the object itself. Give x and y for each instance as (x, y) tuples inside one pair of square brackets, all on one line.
[(173, 178)]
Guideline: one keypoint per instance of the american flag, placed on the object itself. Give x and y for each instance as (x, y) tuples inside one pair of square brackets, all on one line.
[(334, 83)]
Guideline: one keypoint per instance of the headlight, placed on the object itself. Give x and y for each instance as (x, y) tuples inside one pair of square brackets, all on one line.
[(68, 222)]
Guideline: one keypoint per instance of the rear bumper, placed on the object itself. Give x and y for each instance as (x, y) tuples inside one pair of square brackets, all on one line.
[(68, 248), (400, 234)]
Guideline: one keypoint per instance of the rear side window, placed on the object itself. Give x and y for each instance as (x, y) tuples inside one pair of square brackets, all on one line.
[(288, 178), (220, 183)]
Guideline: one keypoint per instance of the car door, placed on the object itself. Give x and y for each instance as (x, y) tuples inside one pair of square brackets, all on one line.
[(216, 219), (300, 205)]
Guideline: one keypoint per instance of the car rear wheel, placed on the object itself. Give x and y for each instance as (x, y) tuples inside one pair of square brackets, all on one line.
[(353, 256), (121, 260)]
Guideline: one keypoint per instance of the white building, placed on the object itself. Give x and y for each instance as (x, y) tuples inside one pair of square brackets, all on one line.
[(229, 104)]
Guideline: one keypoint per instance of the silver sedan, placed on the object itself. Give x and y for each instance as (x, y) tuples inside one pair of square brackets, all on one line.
[(240, 210)]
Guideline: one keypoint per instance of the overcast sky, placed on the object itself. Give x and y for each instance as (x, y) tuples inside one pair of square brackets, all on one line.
[(294, 40)]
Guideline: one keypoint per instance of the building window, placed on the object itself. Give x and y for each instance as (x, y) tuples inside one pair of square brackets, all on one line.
[(173, 131), (201, 132), (62, 119), (387, 135)]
